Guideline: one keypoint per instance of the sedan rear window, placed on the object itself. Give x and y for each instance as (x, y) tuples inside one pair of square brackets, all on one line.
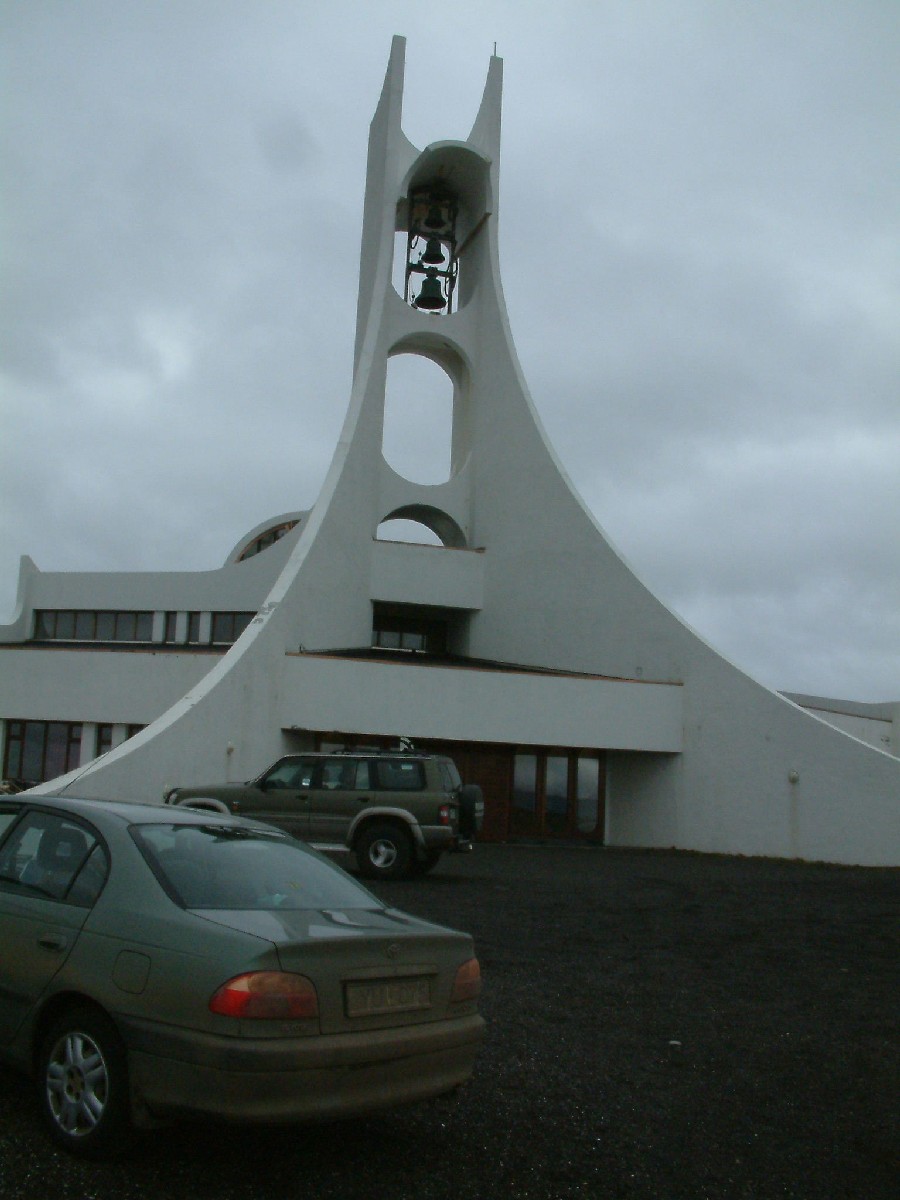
[(238, 867)]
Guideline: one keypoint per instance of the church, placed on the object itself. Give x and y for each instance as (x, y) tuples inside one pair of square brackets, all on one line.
[(512, 636)]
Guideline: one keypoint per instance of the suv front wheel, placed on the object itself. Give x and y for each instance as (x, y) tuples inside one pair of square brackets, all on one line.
[(384, 850)]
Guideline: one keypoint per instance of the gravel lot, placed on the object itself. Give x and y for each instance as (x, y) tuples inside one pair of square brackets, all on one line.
[(660, 1025)]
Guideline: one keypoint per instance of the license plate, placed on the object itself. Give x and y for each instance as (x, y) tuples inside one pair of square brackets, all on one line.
[(378, 996)]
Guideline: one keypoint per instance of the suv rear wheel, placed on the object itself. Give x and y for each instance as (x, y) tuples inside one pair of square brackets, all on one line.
[(384, 850)]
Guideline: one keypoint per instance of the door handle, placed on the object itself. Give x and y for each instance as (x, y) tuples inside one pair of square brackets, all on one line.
[(53, 941), (363, 799)]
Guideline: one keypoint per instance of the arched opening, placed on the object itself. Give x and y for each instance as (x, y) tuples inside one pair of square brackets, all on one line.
[(398, 530), (418, 419), (421, 524), (425, 262)]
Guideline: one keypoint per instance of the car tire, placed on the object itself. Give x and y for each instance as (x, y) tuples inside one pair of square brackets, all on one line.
[(384, 850), (82, 1083)]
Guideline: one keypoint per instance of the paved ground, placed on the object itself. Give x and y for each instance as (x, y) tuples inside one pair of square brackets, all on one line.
[(661, 1026)]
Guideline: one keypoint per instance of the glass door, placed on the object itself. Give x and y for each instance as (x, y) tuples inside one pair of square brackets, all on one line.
[(558, 794)]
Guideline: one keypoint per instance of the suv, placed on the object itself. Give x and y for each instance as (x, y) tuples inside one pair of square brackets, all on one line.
[(398, 812)]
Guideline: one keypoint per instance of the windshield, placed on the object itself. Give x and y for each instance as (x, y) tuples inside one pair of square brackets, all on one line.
[(237, 867)]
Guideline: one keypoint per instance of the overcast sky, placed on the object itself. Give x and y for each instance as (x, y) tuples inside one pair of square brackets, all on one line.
[(699, 245)]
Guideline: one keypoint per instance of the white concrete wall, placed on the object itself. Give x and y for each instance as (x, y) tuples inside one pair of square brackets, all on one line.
[(433, 575), (133, 687), (880, 732), (466, 704)]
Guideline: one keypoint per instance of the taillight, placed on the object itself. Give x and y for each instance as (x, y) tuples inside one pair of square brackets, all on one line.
[(444, 814), (467, 984), (266, 995)]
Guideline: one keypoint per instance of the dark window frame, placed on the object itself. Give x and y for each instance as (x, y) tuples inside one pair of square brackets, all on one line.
[(36, 743), (93, 625)]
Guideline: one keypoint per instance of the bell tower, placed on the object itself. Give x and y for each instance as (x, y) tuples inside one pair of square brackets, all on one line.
[(433, 209), (430, 285)]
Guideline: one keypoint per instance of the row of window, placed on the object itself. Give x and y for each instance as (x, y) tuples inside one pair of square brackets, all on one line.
[(177, 628), (39, 750), (393, 629)]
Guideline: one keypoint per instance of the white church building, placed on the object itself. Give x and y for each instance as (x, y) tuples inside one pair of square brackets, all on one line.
[(522, 644)]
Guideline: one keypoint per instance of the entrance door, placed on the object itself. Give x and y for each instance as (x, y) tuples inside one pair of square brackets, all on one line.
[(557, 794)]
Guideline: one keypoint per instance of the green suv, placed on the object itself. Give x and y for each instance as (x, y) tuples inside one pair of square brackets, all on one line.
[(398, 812)]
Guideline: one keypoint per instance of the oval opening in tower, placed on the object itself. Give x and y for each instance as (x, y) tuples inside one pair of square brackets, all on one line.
[(418, 419)]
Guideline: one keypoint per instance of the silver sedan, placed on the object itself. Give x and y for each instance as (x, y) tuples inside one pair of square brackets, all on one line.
[(158, 962)]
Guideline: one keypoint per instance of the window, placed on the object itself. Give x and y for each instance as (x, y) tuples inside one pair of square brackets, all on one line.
[(41, 750), (171, 626), (85, 626), (89, 625), (588, 794), (7, 816), (227, 627), (50, 856), (407, 630), (230, 866), (523, 817), (291, 773), (450, 777), (556, 793), (105, 736), (65, 626), (193, 628), (338, 774), (397, 775), (265, 540), (133, 627)]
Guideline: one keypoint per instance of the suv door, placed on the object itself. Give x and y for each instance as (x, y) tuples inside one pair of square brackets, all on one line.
[(281, 795), (342, 788)]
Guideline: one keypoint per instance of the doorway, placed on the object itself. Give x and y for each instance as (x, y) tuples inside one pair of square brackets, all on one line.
[(558, 794)]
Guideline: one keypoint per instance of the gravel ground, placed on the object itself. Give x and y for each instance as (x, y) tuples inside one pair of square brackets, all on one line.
[(660, 1025)]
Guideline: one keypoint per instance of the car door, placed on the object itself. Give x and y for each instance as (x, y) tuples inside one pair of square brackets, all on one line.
[(341, 790), (281, 795), (51, 871)]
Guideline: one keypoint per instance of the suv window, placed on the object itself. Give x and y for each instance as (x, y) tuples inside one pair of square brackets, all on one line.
[(450, 777), (291, 773), (338, 774), (400, 775)]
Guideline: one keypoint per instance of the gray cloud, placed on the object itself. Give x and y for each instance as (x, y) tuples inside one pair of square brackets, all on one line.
[(699, 246)]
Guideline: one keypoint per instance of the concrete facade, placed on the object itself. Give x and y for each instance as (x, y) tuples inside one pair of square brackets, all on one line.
[(552, 640)]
